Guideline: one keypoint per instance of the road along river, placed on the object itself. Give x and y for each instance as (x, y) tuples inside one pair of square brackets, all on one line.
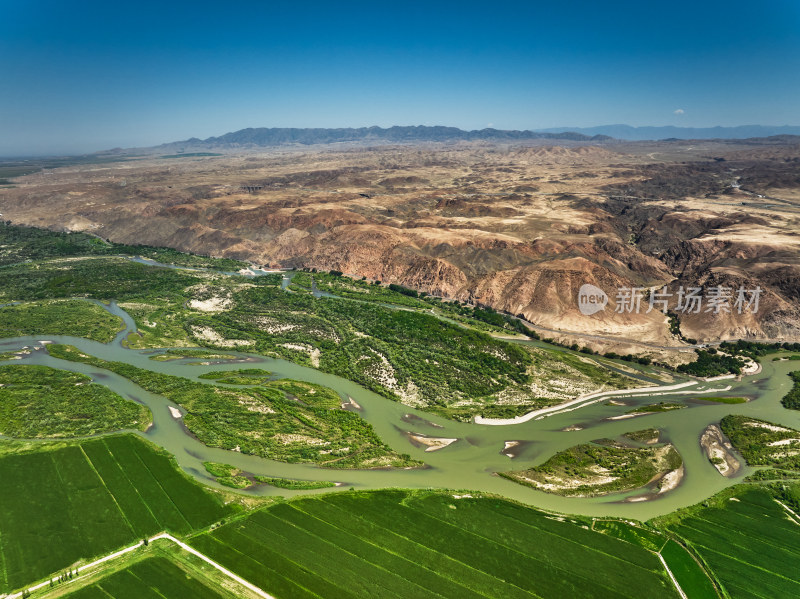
[(471, 461)]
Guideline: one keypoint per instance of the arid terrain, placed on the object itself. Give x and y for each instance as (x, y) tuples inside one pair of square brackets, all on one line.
[(519, 227)]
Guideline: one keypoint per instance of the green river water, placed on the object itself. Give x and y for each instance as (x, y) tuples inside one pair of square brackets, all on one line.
[(469, 463)]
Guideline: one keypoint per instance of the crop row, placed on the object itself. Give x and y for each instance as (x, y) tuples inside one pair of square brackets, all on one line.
[(399, 544), (87, 499)]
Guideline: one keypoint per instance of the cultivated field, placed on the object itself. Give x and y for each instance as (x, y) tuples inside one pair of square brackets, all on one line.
[(155, 577), (393, 544), (64, 503), (749, 541)]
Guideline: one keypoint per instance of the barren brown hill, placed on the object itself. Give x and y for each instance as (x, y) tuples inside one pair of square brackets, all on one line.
[(517, 228)]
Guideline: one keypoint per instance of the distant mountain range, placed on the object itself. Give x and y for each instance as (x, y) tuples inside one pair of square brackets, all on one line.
[(627, 132), (278, 136), (275, 136)]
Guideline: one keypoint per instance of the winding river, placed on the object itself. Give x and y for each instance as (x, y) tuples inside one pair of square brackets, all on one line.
[(470, 462)]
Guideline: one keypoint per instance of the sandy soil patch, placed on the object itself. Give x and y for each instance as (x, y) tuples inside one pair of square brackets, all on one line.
[(288, 439), (671, 480), (719, 451), (313, 353), (429, 443), (211, 336), (770, 427), (212, 304)]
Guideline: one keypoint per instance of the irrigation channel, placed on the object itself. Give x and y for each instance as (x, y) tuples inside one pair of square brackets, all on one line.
[(471, 462)]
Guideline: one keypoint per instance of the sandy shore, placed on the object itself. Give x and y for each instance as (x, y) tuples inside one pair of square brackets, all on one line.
[(430, 443), (351, 404), (584, 400), (720, 451)]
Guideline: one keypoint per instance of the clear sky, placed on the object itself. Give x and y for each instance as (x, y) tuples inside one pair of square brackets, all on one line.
[(83, 76)]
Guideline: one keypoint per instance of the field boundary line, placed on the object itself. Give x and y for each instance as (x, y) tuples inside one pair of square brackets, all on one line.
[(444, 576), (340, 549), (512, 519), (426, 548), (248, 585), (377, 549), (749, 565), (233, 549), (431, 549), (795, 517), (161, 487), (672, 577), (105, 486), (130, 482), (737, 545), (549, 563), (97, 562)]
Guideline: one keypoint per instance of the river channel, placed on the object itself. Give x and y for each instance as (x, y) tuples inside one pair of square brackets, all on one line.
[(468, 464)]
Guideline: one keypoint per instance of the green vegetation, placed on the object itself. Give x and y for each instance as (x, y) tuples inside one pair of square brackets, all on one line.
[(25, 244), (643, 537), (599, 468), (793, 357), (290, 483), (243, 376), (747, 539), (688, 572), (38, 401), (711, 363), (644, 436), (728, 400), (485, 319), (231, 476), (179, 354), (428, 544), (754, 349), (151, 578), (99, 278), (60, 317), (792, 399), (433, 360), (291, 421), (762, 443), (766, 474), (663, 406), (227, 475), (396, 353), (87, 499), (401, 354)]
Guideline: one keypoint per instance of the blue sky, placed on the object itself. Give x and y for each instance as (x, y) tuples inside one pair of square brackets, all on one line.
[(84, 76)]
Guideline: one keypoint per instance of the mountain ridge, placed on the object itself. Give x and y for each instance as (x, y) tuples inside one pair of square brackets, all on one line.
[(652, 133), (256, 137), (275, 136)]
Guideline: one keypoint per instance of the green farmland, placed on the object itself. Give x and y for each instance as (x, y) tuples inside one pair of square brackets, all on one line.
[(88, 499), (154, 577), (393, 544), (748, 540)]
